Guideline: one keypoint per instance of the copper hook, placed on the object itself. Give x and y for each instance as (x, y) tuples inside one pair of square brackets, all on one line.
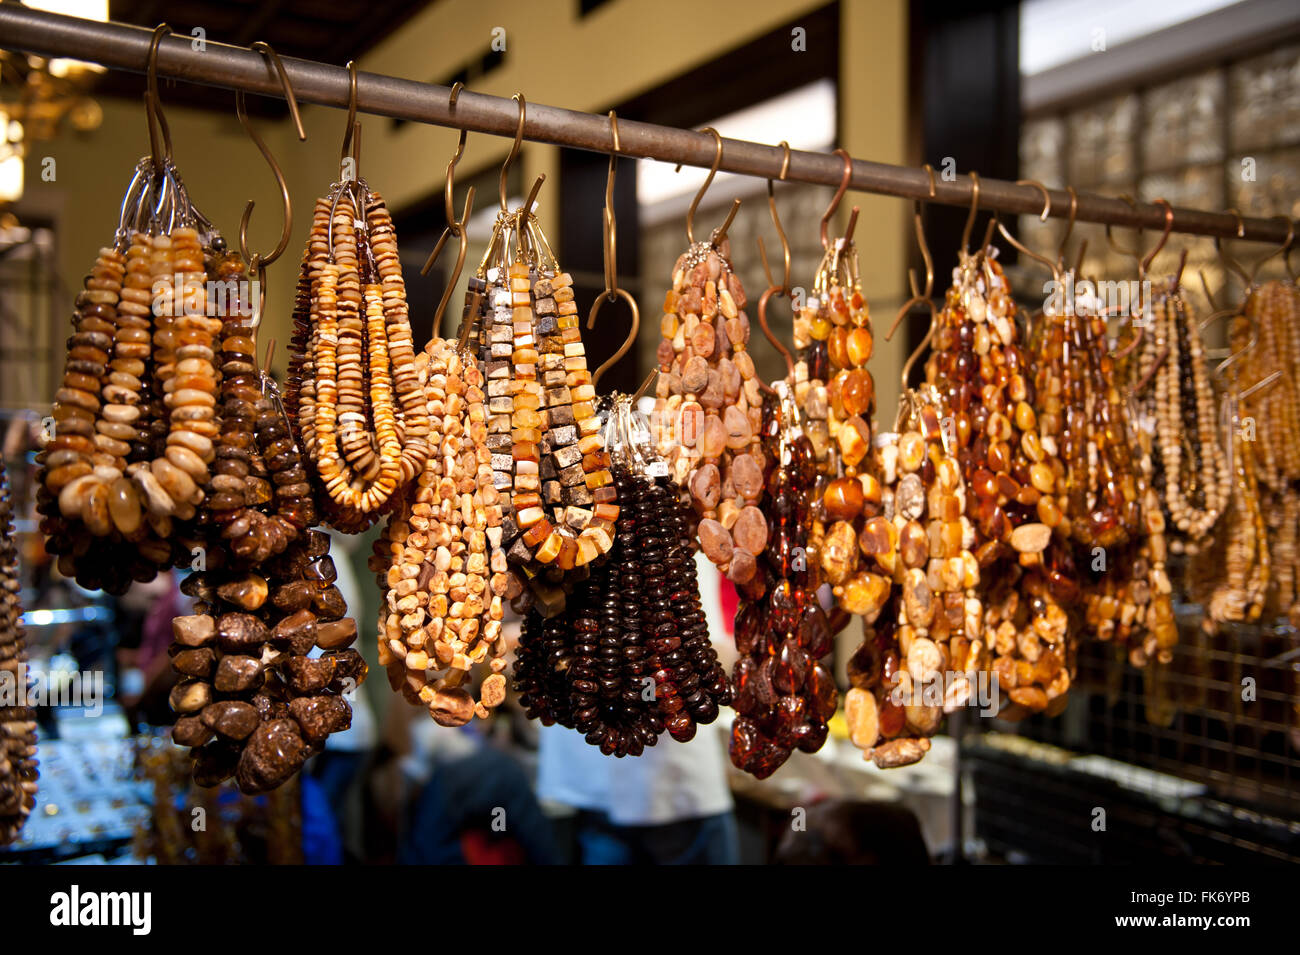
[(918, 224), (974, 210), (631, 335), (929, 334), (1164, 236), (776, 220), (1209, 296), (531, 200), (1228, 261), (767, 331), (1283, 249), (845, 178), (448, 205), (1176, 282), (645, 385), (153, 103), (610, 222), (514, 149), (1069, 230), (1042, 217), (285, 201), (721, 233), (1078, 259), (612, 291), (455, 227), (1047, 196), (351, 132)]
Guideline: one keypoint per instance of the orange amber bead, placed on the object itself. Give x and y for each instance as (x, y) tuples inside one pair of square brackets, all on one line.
[(843, 499), (858, 392), (860, 346), (838, 347)]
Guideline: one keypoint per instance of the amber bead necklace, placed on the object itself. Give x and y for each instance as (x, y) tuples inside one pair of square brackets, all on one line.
[(443, 601), (1011, 475), (251, 702), (440, 567), (784, 693), (707, 412), (851, 502), (1269, 422), (1262, 394), (1240, 587), (917, 586), (547, 452), (929, 617), (360, 413), (1179, 403), (134, 418), (1113, 513), (18, 771), (259, 496), (853, 493)]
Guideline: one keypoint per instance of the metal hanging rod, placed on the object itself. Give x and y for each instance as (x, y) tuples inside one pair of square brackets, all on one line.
[(123, 47)]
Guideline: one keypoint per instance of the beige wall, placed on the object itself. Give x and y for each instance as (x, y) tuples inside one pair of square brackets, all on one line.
[(619, 51)]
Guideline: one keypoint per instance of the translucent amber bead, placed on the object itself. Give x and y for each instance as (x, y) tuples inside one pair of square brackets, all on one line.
[(844, 499)]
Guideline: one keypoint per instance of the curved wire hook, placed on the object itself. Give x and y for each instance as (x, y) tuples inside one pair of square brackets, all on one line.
[(286, 202), (612, 291), (1042, 217), (929, 334), (918, 224), (153, 103), (1069, 230), (839, 195), (1227, 260), (1143, 261), (767, 331), (1047, 196), (448, 207), (1283, 250), (776, 220), (610, 222), (918, 297), (455, 227), (615, 358), (974, 210), (720, 233), (514, 150), (1164, 236), (352, 115), (1240, 353)]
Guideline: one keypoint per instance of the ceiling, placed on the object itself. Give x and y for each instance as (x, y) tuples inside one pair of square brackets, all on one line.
[(331, 31)]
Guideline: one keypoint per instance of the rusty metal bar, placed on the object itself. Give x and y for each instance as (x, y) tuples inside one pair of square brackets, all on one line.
[(123, 47)]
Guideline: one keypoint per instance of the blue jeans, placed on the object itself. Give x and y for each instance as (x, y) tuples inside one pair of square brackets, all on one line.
[(708, 840)]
